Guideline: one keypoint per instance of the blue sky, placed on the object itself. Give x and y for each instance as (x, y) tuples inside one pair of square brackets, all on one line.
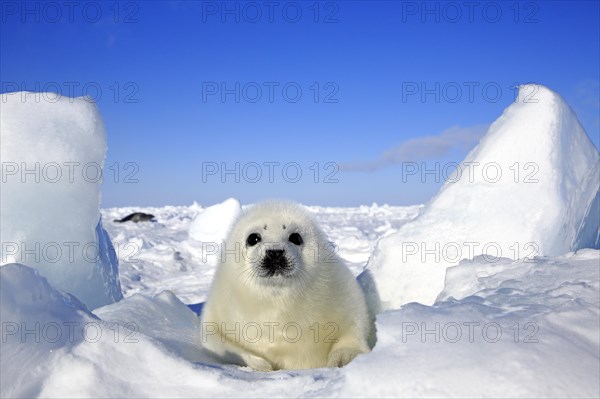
[(178, 85)]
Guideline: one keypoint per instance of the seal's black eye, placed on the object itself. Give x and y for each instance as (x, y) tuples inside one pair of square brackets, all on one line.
[(253, 239), (296, 239)]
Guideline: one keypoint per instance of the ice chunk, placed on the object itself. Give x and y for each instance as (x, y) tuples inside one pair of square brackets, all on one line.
[(588, 233), (529, 188), (213, 224), (503, 330), (37, 320), (53, 151)]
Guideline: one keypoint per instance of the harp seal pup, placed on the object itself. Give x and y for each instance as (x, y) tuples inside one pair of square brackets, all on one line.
[(281, 298)]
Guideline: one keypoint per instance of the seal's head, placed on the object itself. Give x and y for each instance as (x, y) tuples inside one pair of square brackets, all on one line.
[(278, 244)]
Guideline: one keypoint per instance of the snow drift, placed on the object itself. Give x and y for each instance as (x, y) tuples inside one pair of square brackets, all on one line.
[(531, 187), (54, 347), (53, 151)]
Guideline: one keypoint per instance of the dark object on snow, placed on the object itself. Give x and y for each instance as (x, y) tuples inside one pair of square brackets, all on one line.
[(136, 217)]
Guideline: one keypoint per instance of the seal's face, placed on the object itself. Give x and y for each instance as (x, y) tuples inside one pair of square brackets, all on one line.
[(275, 250), (278, 243)]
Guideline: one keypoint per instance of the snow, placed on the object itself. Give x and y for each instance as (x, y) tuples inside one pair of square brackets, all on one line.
[(531, 187), (92, 358), (553, 351), (176, 328), (53, 149), (490, 326), (522, 330)]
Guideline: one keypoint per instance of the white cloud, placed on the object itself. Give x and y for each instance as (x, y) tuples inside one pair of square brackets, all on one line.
[(422, 148)]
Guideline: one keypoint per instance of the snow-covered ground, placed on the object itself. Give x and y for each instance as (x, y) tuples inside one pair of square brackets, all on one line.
[(524, 324), (500, 328)]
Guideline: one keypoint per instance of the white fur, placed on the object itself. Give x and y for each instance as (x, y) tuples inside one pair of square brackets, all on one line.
[(320, 297)]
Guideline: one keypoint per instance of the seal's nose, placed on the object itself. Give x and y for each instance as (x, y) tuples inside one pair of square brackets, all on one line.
[(275, 262), (274, 253)]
